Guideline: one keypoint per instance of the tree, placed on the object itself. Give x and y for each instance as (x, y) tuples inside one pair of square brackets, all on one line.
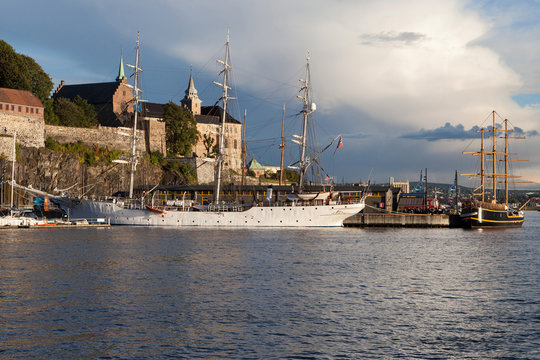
[(77, 113), (21, 72), (41, 83), (180, 130), (211, 149)]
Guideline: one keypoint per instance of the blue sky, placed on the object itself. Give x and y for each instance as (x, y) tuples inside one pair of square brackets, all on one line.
[(404, 83)]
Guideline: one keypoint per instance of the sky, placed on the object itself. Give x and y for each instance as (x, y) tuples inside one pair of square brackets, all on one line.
[(405, 83)]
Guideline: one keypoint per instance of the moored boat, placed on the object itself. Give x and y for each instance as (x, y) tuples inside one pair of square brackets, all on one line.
[(320, 209), (485, 210)]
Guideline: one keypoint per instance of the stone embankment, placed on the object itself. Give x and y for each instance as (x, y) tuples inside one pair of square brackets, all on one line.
[(51, 171)]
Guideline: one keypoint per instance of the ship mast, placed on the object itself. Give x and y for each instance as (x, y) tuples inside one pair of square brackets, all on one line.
[(506, 161), (494, 158), (308, 108), (224, 98), (136, 108), (282, 147), (482, 171), (13, 159), (244, 146)]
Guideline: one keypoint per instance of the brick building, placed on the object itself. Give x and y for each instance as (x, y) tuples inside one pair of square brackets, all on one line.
[(114, 102), (22, 112)]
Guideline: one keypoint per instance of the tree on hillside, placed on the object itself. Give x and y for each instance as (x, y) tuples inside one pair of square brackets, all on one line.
[(77, 113), (21, 72), (180, 128)]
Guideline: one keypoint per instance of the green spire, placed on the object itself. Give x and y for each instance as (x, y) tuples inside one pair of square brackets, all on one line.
[(121, 70)]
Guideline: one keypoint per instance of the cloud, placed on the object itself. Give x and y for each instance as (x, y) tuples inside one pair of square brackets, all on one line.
[(445, 132), (520, 132), (458, 132), (392, 38), (379, 67)]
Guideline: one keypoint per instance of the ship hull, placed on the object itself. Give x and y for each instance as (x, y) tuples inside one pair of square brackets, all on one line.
[(491, 218), (263, 216)]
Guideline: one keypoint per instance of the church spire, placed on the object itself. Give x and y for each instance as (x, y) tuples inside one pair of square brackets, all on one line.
[(121, 75), (191, 91), (191, 100)]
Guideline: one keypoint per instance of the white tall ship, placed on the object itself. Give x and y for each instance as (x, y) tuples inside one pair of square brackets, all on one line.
[(301, 210)]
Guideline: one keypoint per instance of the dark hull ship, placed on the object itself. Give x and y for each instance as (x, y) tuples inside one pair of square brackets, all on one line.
[(484, 212)]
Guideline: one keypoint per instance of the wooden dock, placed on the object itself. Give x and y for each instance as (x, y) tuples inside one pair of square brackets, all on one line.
[(398, 220)]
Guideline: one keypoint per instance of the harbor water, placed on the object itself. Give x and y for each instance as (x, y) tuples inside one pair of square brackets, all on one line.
[(340, 293)]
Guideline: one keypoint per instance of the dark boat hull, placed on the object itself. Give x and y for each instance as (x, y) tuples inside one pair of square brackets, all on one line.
[(492, 218)]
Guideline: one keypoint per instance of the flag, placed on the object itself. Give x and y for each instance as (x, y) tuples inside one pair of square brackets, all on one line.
[(339, 144)]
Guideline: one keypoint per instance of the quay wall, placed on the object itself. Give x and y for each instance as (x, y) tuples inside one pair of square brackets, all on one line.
[(397, 220)]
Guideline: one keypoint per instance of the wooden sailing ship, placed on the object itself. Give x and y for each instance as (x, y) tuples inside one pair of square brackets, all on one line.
[(485, 210)]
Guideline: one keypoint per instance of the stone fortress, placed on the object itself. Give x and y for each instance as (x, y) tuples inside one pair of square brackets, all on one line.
[(23, 113)]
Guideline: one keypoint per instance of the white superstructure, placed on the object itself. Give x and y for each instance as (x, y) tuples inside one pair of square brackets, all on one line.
[(332, 214)]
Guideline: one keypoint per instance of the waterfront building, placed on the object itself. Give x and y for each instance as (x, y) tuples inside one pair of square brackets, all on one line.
[(21, 112)]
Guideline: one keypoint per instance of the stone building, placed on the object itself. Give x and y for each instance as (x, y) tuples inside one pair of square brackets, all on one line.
[(209, 126), (114, 106), (21, 112)]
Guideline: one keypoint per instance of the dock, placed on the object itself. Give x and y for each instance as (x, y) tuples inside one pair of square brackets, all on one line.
[(398, 220), (57, 223)]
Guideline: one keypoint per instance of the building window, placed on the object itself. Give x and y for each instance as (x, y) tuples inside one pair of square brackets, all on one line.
[(37, 111), (31, 110), (12, 107), (27, 110), (1, 106), (226, 143), (20, 108), (235, 143)]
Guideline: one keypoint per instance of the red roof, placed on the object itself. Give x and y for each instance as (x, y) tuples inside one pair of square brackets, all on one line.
[(19, 97)]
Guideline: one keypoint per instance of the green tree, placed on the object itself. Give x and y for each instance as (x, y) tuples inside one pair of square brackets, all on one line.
[(41, 83), (77, 113), (88, 111), (21, 72), (211, 149), (50, 117), (180, 128)]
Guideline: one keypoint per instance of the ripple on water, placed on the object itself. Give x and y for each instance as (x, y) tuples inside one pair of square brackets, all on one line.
[(292, 293)]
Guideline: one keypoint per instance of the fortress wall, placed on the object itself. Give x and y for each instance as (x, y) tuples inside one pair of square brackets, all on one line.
[(30, 129), (109, 137)]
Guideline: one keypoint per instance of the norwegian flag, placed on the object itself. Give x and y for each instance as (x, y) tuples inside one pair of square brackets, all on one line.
[(339, 144)]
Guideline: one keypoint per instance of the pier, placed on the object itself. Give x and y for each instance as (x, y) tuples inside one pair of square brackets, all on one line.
[(398, 220)]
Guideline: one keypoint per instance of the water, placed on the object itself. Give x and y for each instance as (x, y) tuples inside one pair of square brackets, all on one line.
[(138, 293)]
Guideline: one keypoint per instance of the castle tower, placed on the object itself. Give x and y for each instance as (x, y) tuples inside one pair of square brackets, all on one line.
[(191, 101), (121, 75)]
